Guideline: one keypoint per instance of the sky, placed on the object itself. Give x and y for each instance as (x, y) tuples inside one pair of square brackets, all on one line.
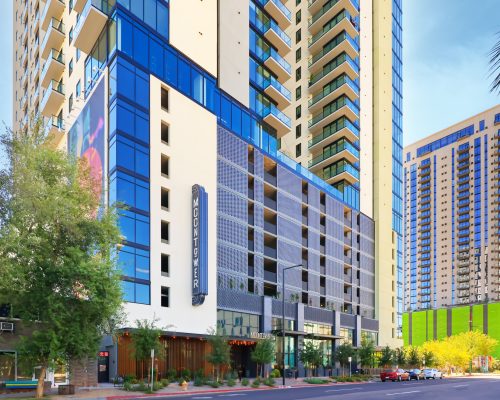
[(445, 62)]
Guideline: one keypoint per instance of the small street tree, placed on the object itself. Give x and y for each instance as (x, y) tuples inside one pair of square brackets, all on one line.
[(366, 352), (57, 264), (220, 352), (263, 354), (400, 357), (386, 357), (342, 354), (413, 358), (311, 356), (146, 337)]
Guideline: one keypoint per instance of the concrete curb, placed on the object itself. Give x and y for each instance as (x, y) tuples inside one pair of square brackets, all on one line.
[(194, 393)]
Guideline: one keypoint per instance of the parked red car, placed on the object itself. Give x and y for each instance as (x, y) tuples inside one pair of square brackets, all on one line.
[(394, 375)]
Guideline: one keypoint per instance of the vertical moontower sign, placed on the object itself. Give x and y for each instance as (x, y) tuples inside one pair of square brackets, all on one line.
[(199, 225)]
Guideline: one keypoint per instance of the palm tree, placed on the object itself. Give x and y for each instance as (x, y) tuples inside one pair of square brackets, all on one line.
[(495, 66)]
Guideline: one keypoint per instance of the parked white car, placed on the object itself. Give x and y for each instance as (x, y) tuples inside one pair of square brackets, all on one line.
[(431, 373)]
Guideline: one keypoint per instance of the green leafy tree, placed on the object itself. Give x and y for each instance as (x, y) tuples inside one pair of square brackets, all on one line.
[(400, 357), (58, 267), (366, 352), (263, 354), (413, 358), (386, 357), (220, 352), (342, 354), (146, 337), (311, 355)]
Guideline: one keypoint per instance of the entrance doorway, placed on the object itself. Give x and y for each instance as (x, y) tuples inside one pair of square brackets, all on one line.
[(103, 367), (241, 360)]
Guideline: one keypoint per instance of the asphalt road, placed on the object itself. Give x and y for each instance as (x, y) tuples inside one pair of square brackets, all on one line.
[(446, 389)]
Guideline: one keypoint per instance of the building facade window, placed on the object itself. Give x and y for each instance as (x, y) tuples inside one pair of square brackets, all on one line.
[(165, 296)]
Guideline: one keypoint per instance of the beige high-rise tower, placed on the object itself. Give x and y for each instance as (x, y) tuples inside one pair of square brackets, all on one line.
[(452, 215)]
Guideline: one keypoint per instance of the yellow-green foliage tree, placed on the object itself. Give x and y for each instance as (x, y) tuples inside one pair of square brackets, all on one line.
[(458, 351)]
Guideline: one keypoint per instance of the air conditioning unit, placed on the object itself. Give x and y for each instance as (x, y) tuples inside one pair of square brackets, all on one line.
[(7, 326)]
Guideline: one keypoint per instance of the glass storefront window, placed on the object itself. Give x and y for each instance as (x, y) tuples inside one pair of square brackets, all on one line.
[(370, 336), (325, 347), (347, 336), (231, 323), (289, 324), (289, 352), (318, 329)]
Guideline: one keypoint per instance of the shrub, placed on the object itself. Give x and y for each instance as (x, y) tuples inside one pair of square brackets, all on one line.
[(128, 378), (127, 386), (269, 382), (275, 373), (199, 381), (157, 386), (316, 381), (213, 384), (245, 382), (256, 383), (186, 374), (231, 382), (141, 387), (172, 374), (165, 382)]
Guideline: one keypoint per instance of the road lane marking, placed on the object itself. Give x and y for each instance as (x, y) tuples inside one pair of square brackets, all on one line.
[(201, 397), (232, 395), (398, 393), (458, 386), (341, 390)]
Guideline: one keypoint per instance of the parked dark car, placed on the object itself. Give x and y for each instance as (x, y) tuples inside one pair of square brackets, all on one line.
[(394, 375), (416, 374)]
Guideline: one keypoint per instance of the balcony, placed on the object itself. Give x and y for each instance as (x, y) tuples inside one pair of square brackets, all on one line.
[(270, 276), (23, 103), (279, 121), (322, 13), (79, 5), (24, 58), (342, 64), (279, 39), (92, 21), (336, 130), (340, 172), (53, 68), (52, 9), (343, 106), (24, 78), (55, 127), (316, 6), (341, 86), (270, 203), (53, 99), (341, 22), (278, 11), (54, 37), (270, 227), (333, 153), (277, 64), (342, 43), (277, 92)]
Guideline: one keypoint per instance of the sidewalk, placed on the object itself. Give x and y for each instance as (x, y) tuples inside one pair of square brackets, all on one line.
[(115, 393)]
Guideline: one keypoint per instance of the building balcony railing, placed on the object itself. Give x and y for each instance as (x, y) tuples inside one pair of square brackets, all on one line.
[(53, 68), (52, 9), (278, 11), (340, 44), (79, 5), (54, 37), (343, 63), (330, 8), (277, 37), (277, 119), (270, 252), (55, 126), (342, 107), (91, 23), (53, 99), (277, 91), (342, 149), (277, 64), (24, 58), (24, 78), (334, 131), (343, 21), (336, 172)]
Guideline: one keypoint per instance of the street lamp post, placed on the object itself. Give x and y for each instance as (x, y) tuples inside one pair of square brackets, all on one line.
[(283, 317), (350, 366)]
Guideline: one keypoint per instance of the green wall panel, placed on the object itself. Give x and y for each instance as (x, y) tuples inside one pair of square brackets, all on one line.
[(441, 324), (418, 327), (477, 318), (430, 325), (494, 325), (460, 319), (406, 329)]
